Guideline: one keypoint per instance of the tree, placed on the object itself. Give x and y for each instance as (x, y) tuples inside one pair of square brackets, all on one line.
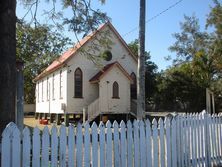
[(193, 70), (37, 47), (200, 48), (215, 20), (198, 59), (183, 90), (7, 65), (141, 63), (189, 41), (84, 17)]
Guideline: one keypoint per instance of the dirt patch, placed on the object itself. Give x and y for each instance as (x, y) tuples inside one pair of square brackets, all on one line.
[(31, 122)]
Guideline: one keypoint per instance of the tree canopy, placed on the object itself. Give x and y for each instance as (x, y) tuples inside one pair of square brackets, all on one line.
[(37, 47), (84, 18), (197, 65)]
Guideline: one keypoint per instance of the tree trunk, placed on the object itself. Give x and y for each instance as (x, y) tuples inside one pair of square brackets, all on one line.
[(141, 63), (7, 62)]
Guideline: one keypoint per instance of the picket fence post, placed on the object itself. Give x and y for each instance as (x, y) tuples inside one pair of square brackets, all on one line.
[(148, 144), (178, 143), (79, 144), (71, 146), (62, 146), (102, 144), (142, 144), (123, 144), (183, 140), (161, 143), (198, 133), (26, 148), (45, 147), (36, 148), (136, 144), (207, 143), (129, 144), (109, 145), (94, 145), (86, 145), (168, 142), (54, 146), (116, 144), (155, 143), (173, 143), (217, 138), (193, 140)]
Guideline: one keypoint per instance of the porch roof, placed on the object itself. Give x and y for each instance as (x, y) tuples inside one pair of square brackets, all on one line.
[(96, 78)]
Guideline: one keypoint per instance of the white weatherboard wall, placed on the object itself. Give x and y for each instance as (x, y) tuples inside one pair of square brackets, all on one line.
[(89, 69), (44, 105), (120, 54), (109, 104), (90, 91)]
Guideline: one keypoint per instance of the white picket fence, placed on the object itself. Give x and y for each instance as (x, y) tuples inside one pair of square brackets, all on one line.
[(188, 140)]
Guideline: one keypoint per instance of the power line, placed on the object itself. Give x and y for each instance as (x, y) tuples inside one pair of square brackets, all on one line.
[(154, 17)]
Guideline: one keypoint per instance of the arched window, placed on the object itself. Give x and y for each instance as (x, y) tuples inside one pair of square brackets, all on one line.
[(78, 83), (133, 86), (115, 90)]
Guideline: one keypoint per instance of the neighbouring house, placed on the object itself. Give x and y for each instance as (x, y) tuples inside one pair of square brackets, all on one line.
[(75, 86)]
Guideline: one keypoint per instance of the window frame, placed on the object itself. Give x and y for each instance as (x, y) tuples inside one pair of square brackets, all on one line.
[(38, 92), (115, 90), (60, 85), (78, 84), (42, 91), (47, 89), (53, 87), (133, 86)]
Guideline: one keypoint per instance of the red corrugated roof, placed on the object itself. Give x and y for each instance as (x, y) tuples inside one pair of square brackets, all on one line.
[(96, 78), (67, 55), (60, 60), (71, 52)]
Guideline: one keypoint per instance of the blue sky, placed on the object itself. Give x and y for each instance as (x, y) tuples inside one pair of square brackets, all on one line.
[(125, 17)]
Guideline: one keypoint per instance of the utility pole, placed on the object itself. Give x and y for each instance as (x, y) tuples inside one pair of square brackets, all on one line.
[(141, 63)]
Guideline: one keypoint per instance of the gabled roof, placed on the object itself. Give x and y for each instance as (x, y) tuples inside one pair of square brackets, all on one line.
[(61, 61), (96, 78)]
